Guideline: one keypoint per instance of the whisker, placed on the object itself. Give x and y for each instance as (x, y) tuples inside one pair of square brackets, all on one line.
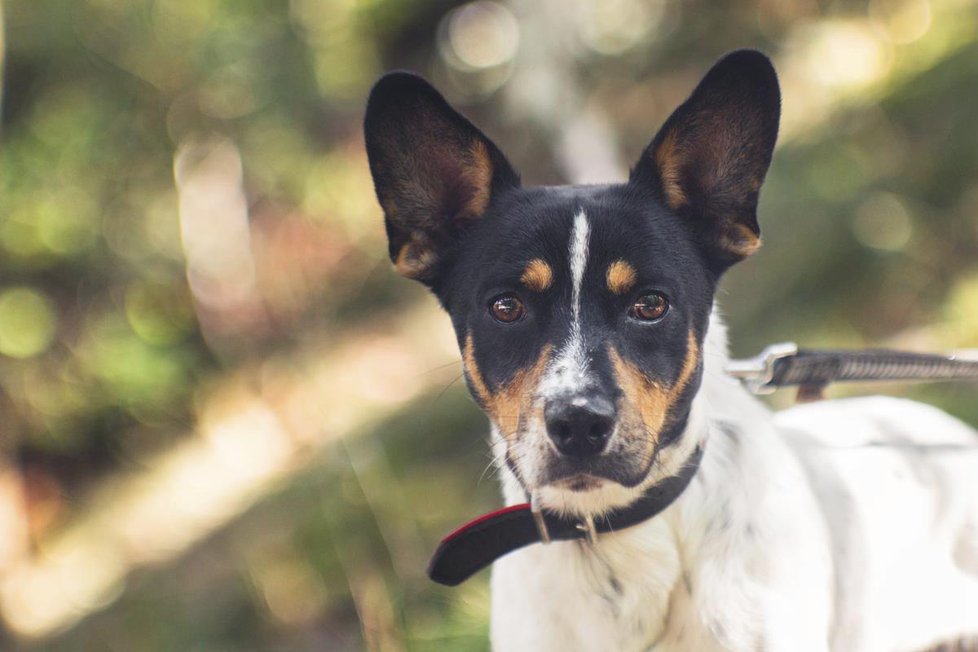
[(449, 386)]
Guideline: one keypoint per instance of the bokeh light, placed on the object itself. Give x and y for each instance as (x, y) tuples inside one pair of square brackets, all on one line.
[(227, 424), (27, 322)]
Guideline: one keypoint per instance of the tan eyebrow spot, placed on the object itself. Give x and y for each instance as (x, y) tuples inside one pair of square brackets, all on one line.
[(538, 275), (511, 401), (621, 277)]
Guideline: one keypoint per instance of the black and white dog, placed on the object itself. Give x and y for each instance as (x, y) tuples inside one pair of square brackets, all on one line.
[(586, 320)]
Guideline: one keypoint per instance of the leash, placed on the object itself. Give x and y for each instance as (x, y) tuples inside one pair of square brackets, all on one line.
[(811, 370), (482, 541)]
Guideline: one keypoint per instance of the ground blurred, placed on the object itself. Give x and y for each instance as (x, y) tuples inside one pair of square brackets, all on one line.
[(225, 424)]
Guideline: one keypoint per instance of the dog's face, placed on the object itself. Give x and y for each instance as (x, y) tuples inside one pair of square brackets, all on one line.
[(580, 311)]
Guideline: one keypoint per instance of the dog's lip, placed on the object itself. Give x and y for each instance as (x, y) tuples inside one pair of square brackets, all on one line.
[(580, 482)]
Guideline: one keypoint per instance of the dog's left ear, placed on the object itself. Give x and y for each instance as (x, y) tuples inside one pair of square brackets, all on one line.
[(434, 172), (709, 159)]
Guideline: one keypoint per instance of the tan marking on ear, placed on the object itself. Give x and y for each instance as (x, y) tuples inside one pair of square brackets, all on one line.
[(415, 259), (647, 400), (740, 240), (538, 275), (478, 175), (621, 277), (669, 161), (511, 401)]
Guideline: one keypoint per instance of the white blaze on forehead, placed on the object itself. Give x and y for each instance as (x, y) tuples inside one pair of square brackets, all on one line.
[(578, 261), (568, 373)]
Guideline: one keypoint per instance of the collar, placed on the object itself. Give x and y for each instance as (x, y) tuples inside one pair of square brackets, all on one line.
[(482, 541)]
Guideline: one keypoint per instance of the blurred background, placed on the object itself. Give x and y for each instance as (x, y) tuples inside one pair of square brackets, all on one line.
[(226, 424)]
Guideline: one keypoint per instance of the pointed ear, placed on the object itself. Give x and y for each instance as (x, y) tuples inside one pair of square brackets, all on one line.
[(434, 172), (709, 159)]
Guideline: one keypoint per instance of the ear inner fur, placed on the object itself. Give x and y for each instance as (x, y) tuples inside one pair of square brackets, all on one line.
[(434, 172), (511, 401), (538, 275), (620, 277), (478, 176), (708, 161), (669, 162), (651, 399)]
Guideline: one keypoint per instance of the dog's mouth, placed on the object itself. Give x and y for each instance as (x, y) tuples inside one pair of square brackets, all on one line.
[(578, 475), (581, 482), (623, 467)]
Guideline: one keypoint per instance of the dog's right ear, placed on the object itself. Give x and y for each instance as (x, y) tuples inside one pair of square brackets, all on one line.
[(709, 159), (434, 172)]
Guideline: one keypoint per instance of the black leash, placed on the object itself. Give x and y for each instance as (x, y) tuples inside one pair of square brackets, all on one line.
[(482, 541), (784, 365)]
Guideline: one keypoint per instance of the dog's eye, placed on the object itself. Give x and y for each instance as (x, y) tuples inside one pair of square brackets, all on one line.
[(507, 308), (650, 307)]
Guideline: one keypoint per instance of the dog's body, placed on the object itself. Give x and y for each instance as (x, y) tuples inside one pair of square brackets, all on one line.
[(802, 531), (586, 320)]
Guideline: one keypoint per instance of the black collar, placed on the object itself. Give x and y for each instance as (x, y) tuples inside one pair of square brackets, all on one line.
[(478, 543)]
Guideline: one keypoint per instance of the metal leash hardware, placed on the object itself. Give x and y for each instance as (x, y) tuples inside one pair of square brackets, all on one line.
[(757, 373), (784, 364)]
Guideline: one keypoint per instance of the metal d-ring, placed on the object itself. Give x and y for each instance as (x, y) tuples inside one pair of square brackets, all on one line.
[(537, 512), (587, 527)]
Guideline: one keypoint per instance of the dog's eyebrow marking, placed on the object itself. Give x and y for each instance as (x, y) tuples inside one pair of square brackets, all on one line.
[(538, 275), (620, 277)]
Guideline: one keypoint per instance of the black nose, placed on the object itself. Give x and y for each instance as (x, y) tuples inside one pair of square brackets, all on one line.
[(580, 430)]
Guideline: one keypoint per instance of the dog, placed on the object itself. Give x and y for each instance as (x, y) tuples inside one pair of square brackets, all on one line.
[(589, 335)]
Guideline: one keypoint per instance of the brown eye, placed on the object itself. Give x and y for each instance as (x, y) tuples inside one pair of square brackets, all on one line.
[(507, 308), (650, 307)]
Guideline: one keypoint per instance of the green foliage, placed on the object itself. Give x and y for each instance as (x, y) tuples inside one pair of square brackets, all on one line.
[(113, 346)]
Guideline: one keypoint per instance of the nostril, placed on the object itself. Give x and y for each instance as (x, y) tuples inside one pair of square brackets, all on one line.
[(598, 431), (563, 431)]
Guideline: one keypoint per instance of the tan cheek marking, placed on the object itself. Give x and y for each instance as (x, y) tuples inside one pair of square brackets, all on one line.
[(512, 400), (621, 277), (652, 399), (669, 161), (468, 357), (538, 276)]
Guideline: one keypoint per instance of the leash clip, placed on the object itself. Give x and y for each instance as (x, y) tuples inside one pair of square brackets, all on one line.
[(758, 372), (538, 520), (587, 527)]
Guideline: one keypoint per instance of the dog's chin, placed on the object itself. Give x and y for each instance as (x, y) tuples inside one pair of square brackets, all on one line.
[(581, 482), (584, 494), (582, 475), (598, 488)]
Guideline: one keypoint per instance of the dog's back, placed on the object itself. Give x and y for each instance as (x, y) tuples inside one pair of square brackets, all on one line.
[(898, 485)]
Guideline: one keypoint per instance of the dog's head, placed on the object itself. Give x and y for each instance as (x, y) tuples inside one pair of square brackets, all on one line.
[(580, 311)]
